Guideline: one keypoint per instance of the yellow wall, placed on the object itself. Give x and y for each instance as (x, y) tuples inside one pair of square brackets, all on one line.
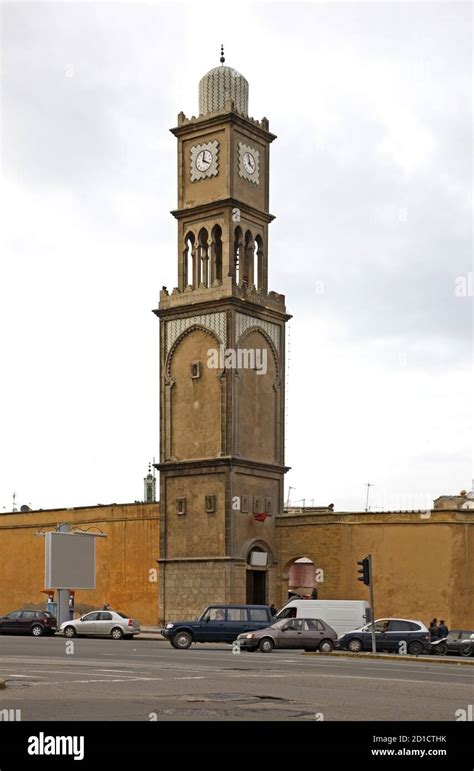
[(423, 565), (123, 559)]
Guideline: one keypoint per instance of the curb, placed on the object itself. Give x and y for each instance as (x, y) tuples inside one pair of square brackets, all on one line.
[(397, 657), (150, 636)]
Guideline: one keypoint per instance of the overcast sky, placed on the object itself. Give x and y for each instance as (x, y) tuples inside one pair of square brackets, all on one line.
[(370, 183)]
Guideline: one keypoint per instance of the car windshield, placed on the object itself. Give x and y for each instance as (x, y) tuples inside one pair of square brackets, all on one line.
[(122, 615), (279, 624)]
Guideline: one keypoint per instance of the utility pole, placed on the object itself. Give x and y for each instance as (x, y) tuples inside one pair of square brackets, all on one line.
[(369, 485), (372, 608), (63, 594)]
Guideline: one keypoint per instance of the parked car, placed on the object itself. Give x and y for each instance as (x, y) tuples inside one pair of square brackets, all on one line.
[(309, 634), (389, 633), (103, 623), (461, 642), (35, 622), (218, 623), (342, 615)]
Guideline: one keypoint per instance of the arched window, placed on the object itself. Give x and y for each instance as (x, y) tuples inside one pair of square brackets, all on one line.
[(260, 278), (216, 253), (203, 258), (249, 250), (238, 255), (188, 252)]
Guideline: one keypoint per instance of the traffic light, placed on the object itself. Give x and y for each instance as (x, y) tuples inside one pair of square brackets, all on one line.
[(364, 570)]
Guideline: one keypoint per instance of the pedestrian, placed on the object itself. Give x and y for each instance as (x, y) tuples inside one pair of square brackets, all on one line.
[(273, 610), (106, 606), (443, 630), (434, 629)]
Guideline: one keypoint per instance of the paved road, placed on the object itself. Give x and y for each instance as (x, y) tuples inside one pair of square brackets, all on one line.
[(147, 679)]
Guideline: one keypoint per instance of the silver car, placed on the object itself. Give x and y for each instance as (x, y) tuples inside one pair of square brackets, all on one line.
[(310, 634), (104, 623)]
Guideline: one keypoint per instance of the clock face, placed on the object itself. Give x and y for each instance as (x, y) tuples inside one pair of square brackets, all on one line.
[(249, 162), (204, 160)]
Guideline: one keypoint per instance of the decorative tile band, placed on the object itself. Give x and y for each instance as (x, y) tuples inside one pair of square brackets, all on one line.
[(216, 322), (244, 322)]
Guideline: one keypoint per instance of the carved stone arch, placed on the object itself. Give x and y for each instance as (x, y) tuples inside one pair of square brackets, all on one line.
[(246, 443), (177, 445), (193, 328), (257, 328), (257, 543)]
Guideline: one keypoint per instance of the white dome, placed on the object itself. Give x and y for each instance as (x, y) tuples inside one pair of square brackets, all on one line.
[(218, 86)]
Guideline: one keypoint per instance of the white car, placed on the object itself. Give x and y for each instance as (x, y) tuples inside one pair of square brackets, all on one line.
[(104, 623)]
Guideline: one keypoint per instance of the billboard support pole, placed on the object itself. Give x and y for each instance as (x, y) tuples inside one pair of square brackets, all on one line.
[(63, 594)]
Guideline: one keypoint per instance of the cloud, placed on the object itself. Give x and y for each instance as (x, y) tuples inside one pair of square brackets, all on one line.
[(370, 182)]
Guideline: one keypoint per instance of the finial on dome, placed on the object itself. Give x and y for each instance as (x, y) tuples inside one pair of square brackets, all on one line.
[(222, 59)]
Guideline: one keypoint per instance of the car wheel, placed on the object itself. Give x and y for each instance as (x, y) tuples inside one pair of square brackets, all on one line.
[(116, 633), (415, 648), (466, 649), (266, 645), (37, 630), (69, 631), (441, 649), (326, 646), (182, 640), (355, 645)]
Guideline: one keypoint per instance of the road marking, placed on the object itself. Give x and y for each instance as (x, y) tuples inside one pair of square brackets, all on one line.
[(8, 675), (95, 680), (381, 679), (200, 677)]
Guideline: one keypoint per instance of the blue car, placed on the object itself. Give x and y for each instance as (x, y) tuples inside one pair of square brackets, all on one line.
[(218, 623), (393, 635)]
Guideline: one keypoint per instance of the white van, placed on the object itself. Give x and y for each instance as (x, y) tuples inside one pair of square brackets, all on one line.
[(342, 615)]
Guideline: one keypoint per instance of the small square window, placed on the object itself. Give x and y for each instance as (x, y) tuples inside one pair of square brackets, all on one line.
[(180, 505), (210, 504), (195, 369), (244, 504)]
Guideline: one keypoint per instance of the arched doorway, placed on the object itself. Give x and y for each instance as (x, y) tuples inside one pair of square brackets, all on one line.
[(256, 576), (302, 579)]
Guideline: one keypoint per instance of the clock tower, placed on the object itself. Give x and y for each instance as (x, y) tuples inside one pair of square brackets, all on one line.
[(222, 380)]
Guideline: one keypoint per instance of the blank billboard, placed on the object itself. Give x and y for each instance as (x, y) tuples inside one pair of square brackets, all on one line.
[(69, 561)]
